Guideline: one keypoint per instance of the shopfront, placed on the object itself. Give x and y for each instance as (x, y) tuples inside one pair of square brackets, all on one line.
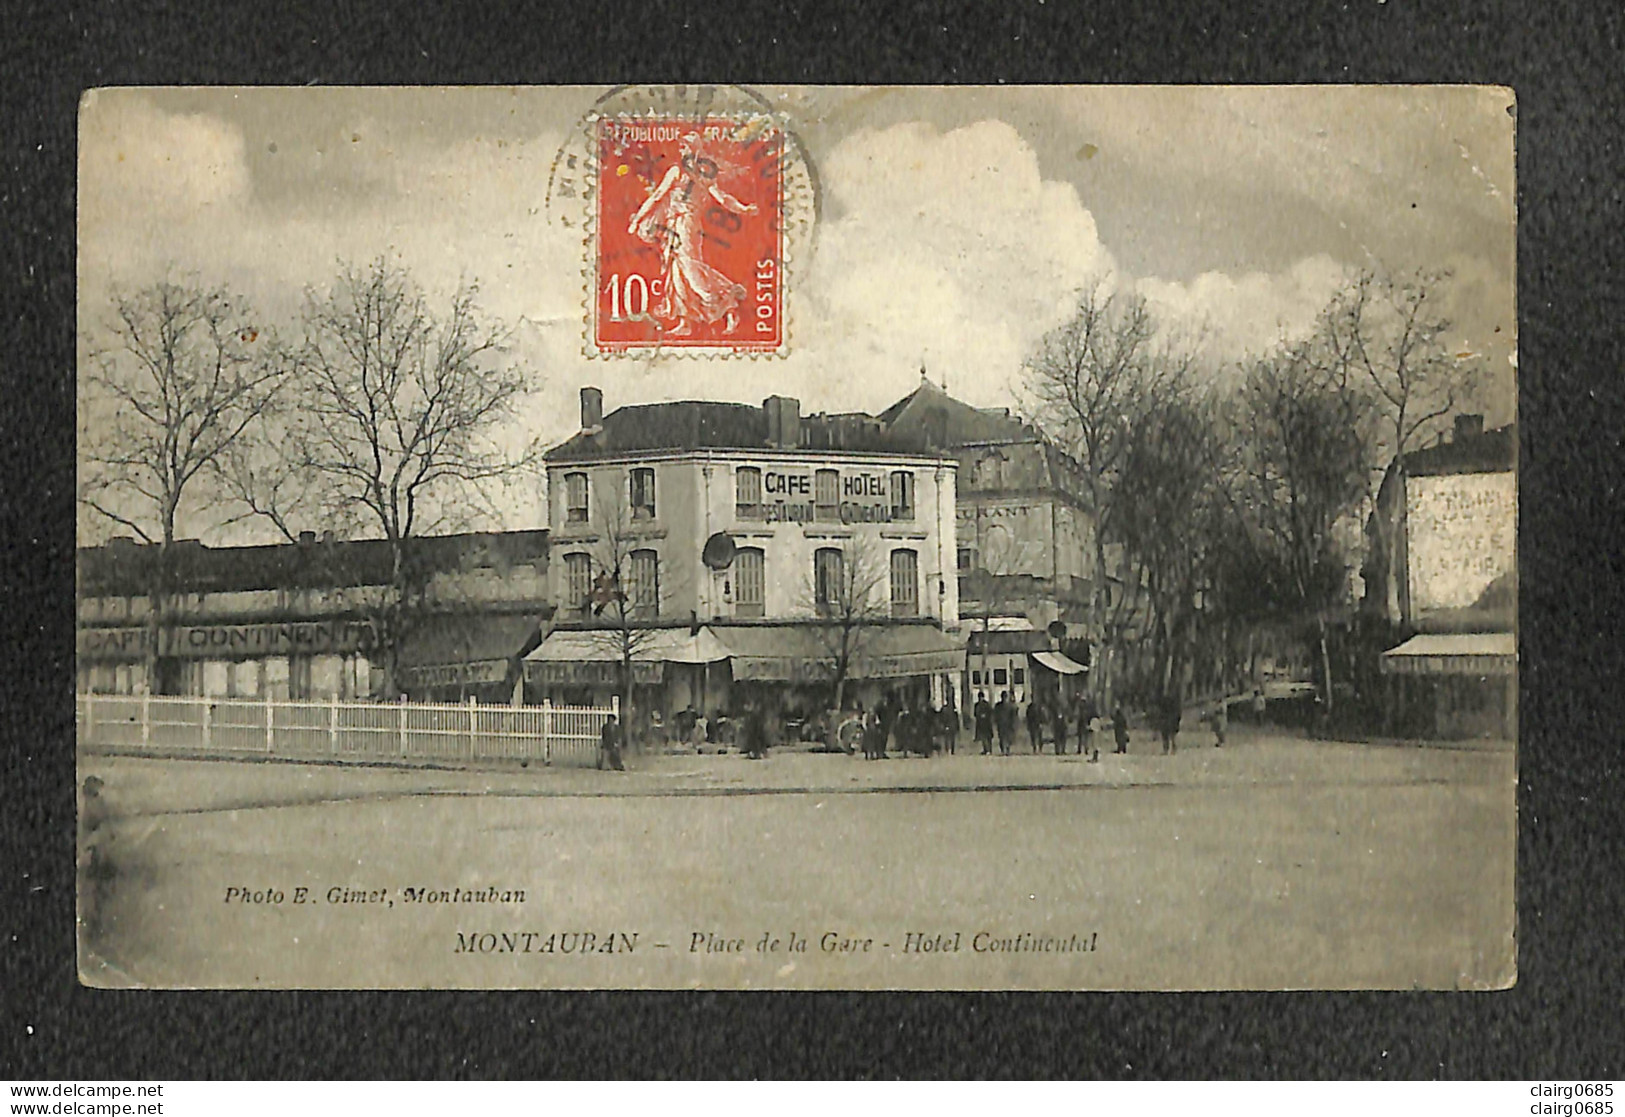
[(456, 658), (1454, 685), (785, 670), (1022, 664), (293, 659), (791, 668)]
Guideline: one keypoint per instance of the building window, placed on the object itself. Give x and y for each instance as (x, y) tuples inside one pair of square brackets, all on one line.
[(577, 581), (245, 679), (902, 495), (748, 493), (643, 494), (965, 560), (326, 676), (276, 677), (905, 584), (750, 583), (975, 678), (643, 585), (1018, 676), (828, 573), (216, 678), (1000, 676), (575, 498), (826, 495)]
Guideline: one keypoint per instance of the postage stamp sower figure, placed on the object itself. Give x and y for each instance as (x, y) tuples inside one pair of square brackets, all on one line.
[(689, 245)]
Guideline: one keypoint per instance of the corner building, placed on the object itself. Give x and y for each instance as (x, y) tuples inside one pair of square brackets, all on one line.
[(734, 528)]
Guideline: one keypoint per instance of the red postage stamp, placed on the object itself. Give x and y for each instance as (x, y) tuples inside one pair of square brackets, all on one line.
[(690, 235)]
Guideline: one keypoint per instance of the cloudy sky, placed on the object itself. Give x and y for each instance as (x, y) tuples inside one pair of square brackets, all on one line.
[(955, 224)]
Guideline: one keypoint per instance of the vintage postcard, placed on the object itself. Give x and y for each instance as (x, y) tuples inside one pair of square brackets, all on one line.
[(1055, 538)]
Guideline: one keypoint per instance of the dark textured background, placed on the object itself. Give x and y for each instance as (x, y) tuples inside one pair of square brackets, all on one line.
[(1564, 1018)]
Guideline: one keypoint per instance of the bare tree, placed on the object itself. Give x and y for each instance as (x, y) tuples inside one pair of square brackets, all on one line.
[(625, 599), (389, 427), (1306, 463), (848, 595), (175, 378), (1392, 332), (1091, 382), (1171, 518)]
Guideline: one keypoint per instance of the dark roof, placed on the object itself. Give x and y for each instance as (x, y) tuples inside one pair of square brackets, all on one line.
[(1492, 451), (708, 425), (929, 412), (124, 567)]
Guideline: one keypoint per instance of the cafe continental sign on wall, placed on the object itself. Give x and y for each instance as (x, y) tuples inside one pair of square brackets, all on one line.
[(229, 641)]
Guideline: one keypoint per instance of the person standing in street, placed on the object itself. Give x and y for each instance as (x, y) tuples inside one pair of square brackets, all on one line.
[(1086, 727), (1004, 721), (1120, 728), (983, 719), (754, 732), (1221, 722), (1035, 726), (1059, 727), (1170, 722), (609, 745), (948, 728)]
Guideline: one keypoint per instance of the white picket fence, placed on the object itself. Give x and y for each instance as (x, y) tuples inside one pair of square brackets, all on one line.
[(359, 732)]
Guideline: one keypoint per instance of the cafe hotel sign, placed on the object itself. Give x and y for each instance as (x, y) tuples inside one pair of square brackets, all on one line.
[(793, 496), (230, 641)]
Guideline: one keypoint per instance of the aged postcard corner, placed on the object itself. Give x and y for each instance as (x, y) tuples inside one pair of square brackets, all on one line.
[(797, 537)]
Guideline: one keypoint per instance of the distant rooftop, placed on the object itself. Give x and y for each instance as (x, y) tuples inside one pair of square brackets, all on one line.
[(711, 425), (1471, 449), (926, 419), (121, 567)]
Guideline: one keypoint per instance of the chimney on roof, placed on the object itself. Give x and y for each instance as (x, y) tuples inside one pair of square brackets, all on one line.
[(783, 422), (1467, 426), (306, 538), (592, 409)]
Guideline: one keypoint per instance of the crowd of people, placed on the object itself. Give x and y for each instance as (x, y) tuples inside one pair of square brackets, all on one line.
[(921, 729)]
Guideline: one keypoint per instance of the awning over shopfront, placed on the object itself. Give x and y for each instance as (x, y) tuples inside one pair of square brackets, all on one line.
[(466, 649), (1058, 663), (1468, 653), (586, 657), (806, 653)]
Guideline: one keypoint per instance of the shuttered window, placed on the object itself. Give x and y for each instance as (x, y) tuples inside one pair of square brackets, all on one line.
[(827, 495), (750, 583), (643, 585), (575, 498), (643, 494), (578, 581), (828, 574), (902, 495), (905, 584), (748, 493)]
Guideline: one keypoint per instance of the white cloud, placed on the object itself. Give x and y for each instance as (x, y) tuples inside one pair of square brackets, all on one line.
[(1248, 313), (949, 247)]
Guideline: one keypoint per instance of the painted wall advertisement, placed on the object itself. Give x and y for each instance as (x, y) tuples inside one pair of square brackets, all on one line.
[(1462, 534)]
